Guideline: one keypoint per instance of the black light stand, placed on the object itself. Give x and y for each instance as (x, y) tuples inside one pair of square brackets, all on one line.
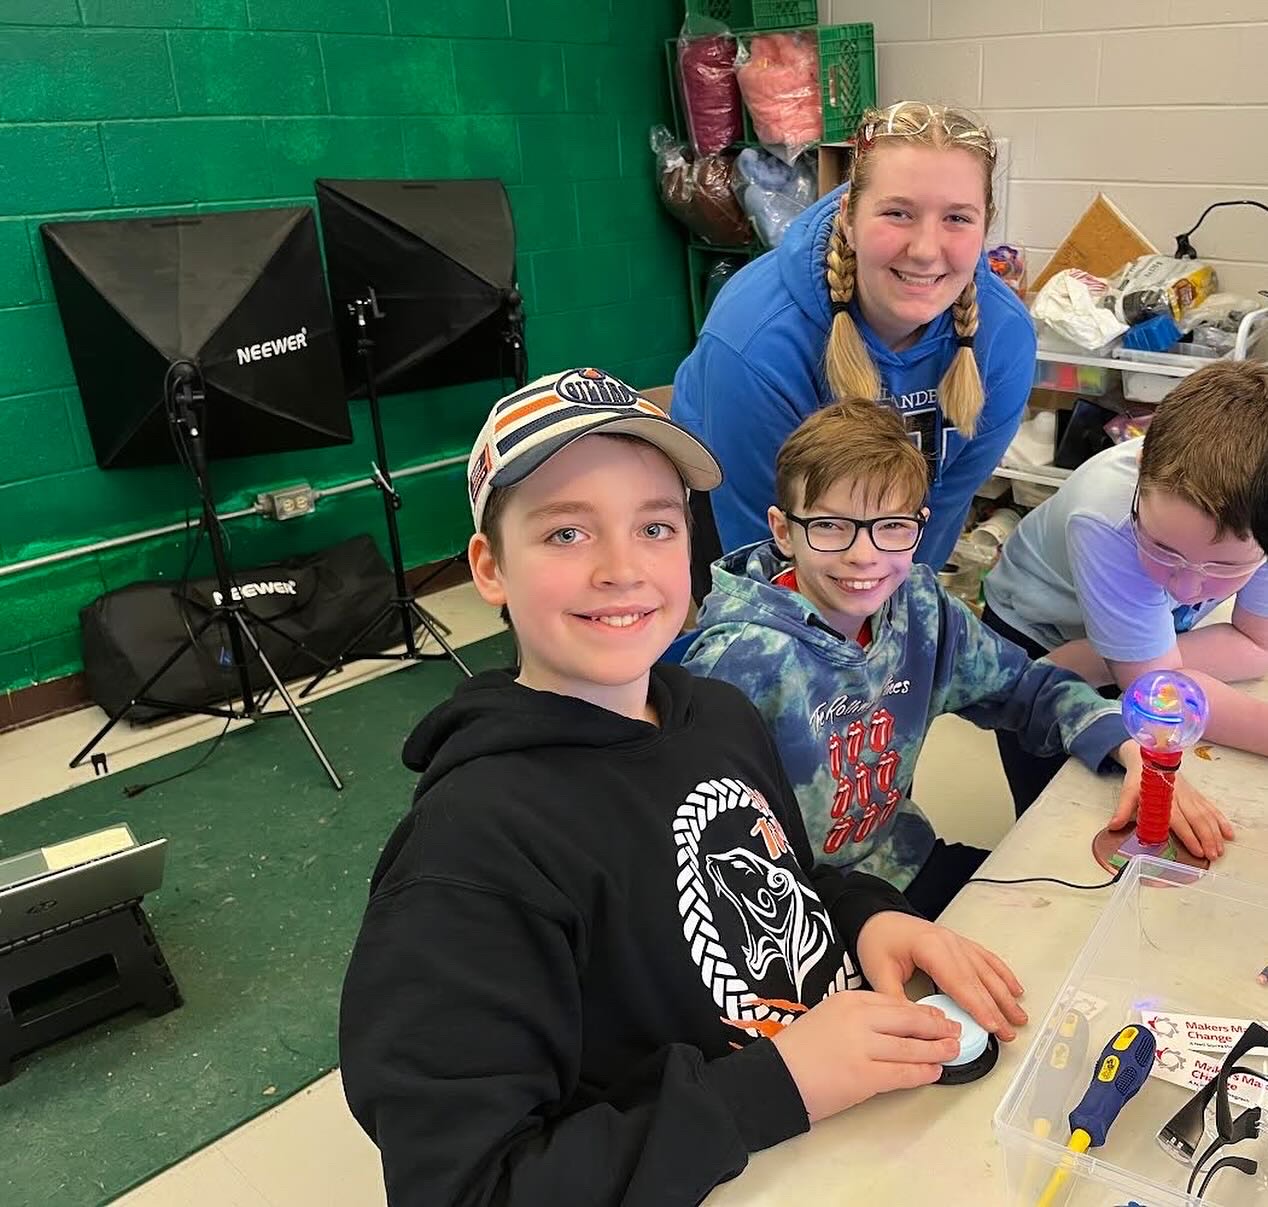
[(441, 255), (403, 604), (513, 339), (184, 398), (513, 336)]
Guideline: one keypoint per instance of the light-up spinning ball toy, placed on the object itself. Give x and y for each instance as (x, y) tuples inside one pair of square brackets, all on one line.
[(1165, 713)]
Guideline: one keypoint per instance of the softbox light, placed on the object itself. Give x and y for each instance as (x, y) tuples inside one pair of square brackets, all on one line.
[(240, 295), (439, 256)]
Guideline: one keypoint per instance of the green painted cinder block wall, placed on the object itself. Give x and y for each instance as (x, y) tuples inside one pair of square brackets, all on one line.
[(145, 107)]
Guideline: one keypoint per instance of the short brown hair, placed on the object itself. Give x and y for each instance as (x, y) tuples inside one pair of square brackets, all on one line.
[(1259, 507), (856, 441), (491, 521), (1208, 439)]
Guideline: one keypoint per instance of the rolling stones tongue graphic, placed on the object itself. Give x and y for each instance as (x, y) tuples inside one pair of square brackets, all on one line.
[(865, 796)]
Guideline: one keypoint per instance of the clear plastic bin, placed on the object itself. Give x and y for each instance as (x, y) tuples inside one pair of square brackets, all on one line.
[(1032, 494), (1153, 387), (1072, 379), (1170, 940)]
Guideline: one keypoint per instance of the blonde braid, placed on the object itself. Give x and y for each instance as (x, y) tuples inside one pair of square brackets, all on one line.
[(849, 368), (960, 390), (841, 265)]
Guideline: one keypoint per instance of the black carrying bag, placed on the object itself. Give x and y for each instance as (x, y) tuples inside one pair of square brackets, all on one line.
[(322, 599)]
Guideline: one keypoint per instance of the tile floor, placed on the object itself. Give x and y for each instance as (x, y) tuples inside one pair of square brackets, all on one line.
[(307, 1151)]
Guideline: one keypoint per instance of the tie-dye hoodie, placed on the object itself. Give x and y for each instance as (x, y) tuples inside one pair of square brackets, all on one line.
[(849, 721)]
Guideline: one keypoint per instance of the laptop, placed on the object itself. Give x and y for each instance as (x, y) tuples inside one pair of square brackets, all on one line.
[(53, 885)]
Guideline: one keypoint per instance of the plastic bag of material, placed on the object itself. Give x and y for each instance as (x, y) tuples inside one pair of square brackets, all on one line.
[(1157, 284), (779, 80), (772, 192), (1070, 303), (1008, 262), (1215, 323), (771, 213), (707, 84), (698, 192), (797, 181)]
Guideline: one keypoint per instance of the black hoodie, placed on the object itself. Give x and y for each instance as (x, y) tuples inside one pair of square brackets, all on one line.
[(576, 945)]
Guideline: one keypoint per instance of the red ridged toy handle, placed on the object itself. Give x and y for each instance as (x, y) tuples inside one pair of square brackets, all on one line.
[(1157, 788)]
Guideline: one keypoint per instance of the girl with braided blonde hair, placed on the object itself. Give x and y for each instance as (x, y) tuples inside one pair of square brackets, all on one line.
[(879, 290)]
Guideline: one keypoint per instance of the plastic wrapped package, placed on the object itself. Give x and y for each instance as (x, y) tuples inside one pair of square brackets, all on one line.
[(1009, 264), (1222, 310), (699, 192), (1153, 285), (779, 79), (1215, 322), (1071, 303), (710, 92), (771, 213), (797, 180), (772, 192)]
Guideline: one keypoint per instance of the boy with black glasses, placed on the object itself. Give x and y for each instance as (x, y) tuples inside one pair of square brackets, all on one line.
[(1110, 575), (850, 651)]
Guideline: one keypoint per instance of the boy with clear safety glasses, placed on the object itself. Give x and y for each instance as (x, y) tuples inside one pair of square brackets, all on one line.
[(1110, 575)]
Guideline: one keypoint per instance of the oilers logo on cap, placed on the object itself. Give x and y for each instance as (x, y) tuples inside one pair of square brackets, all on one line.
[(526, 428), (594, 387)]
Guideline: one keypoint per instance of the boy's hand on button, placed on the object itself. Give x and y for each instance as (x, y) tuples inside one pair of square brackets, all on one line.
[(893, 945), (1195, 820), (854, 1045)]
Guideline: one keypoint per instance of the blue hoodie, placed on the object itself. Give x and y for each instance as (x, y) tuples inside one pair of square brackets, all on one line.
[(757, 371), (849, 721)]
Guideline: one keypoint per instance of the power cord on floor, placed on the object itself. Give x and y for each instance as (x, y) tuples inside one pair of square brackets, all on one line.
[(131, 790)]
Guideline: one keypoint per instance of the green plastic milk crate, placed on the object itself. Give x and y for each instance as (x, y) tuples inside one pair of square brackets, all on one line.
[(847, 77), (756, 14), (701, 258)]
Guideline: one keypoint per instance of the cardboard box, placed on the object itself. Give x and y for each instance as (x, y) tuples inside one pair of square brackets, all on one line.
[(662, 396), (834, 165)]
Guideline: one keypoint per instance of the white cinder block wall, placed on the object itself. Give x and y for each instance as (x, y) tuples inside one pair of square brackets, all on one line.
[(1162, 104)]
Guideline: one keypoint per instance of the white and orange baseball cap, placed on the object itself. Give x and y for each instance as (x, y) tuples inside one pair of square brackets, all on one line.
[(525, 429)]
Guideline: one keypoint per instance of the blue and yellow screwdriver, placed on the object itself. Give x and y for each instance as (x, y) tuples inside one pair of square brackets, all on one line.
[(1122, 1069)]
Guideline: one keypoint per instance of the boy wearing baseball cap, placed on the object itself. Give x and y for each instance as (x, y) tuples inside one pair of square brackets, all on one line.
[(597, 965)]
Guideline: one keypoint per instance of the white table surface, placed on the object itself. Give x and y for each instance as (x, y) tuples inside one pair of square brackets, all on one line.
[(935, 1145)]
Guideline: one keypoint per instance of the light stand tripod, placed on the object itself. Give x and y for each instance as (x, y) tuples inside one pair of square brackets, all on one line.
[(402, 604), (512, 339), (183, 397), (513, 336)]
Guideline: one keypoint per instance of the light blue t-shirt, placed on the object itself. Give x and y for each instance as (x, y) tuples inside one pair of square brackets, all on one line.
[(1071, 569)]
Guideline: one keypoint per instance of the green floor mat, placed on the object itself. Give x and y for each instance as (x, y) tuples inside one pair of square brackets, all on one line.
[(266, 880)]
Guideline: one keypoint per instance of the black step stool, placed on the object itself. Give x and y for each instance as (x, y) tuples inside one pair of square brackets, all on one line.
[(61, 980)]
